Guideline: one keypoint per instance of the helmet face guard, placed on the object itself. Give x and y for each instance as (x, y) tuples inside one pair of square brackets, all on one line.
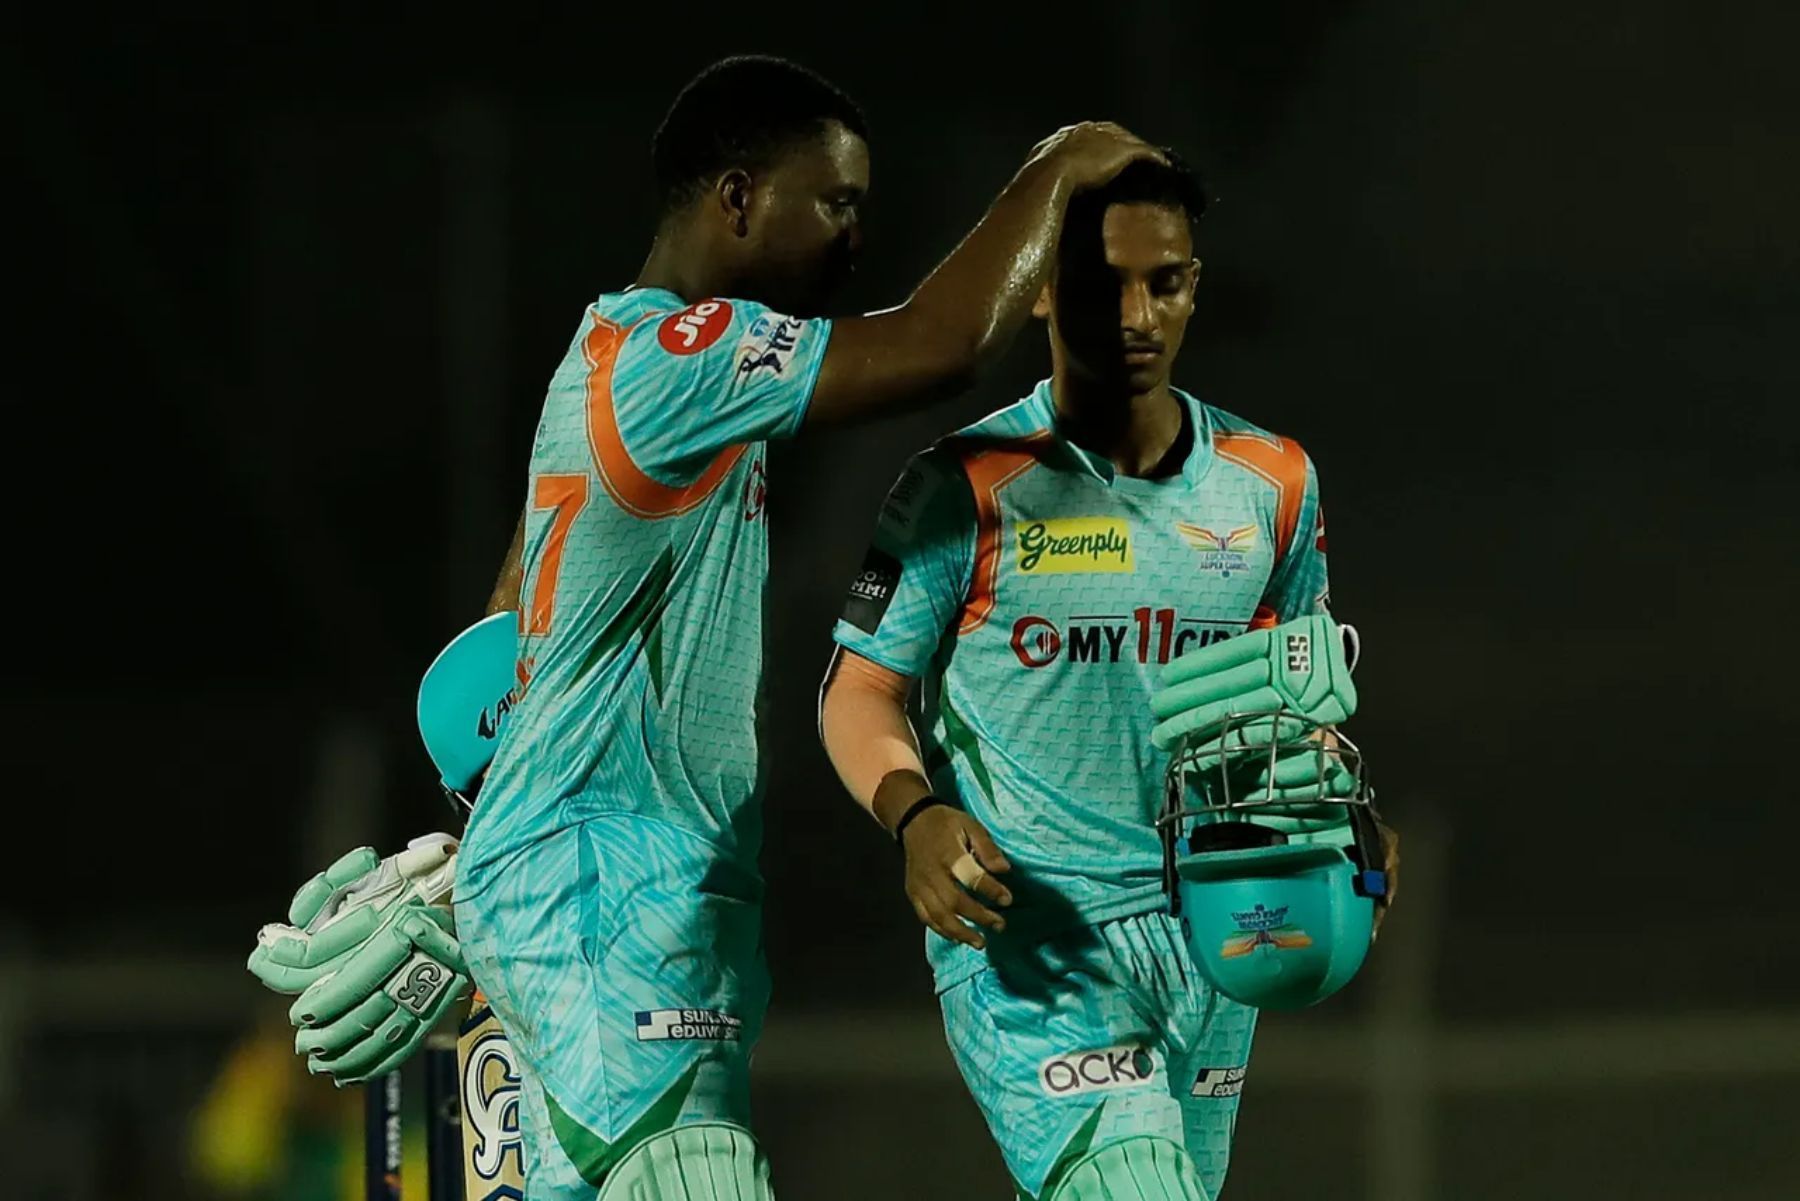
[(1272, 857)]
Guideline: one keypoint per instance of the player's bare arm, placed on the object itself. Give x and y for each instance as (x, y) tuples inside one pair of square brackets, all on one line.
[(512, 574), (972, 305), (951, 860)]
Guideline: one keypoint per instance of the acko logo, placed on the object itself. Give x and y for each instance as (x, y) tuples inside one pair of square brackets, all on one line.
[(1096, 1071), (1065, 544), (695, 328)]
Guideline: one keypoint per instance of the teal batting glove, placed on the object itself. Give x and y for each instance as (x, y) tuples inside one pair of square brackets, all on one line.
[(287, 959), (372, 953), (1300, 666), (1294, 781)]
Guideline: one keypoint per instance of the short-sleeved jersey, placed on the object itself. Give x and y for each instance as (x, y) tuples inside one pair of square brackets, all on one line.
[(645, 559), (1038, 592)]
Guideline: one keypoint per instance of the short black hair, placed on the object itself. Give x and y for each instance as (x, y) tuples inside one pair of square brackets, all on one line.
[(1174, 185), (742, 112)]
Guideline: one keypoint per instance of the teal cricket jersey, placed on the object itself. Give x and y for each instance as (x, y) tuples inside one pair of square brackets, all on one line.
[(646, 553), (1037, 592)]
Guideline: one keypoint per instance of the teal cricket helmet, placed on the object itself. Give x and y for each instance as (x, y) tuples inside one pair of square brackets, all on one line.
[(1272, 857), (465, 698)]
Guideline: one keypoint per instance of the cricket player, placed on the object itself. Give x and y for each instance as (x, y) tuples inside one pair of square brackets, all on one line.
[(1036, 569), (607, 895)]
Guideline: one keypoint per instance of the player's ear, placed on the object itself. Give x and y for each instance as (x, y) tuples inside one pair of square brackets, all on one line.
[(1193, 270), (1040, 308), (733, 194)]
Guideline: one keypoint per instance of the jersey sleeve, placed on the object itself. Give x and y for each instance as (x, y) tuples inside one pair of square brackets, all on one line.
[(915, 577), (1299, 585), (715, 374)]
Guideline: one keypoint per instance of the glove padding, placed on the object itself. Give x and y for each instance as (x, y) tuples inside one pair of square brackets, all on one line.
[(1299, 666), (373, 954)]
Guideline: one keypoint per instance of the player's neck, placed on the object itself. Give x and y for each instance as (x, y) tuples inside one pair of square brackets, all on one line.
[(1135, 432), (678, 263)]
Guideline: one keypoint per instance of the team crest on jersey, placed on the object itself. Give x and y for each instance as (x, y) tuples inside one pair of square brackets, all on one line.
[(1223, 552), (1068, 544)]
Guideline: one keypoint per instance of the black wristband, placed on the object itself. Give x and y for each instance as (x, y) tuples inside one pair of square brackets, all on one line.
[(913, 810)]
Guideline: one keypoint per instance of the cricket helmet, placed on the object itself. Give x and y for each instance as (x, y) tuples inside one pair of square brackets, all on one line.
[(1272, 857), (464, 700)]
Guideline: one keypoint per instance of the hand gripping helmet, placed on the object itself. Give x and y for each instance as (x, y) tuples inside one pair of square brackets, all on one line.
[(1272, 857), (464, 700)]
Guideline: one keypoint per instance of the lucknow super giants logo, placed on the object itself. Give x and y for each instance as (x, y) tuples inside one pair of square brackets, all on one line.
[(1224, 551), (1263, 927)]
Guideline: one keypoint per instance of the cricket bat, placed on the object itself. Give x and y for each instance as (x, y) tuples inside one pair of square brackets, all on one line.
[(493, 1156)]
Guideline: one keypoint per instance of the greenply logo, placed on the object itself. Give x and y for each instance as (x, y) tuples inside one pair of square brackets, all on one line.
[(1065, 544)]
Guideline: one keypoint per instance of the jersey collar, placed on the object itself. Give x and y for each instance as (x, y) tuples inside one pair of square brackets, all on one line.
[(649, 300), (1042, 404)]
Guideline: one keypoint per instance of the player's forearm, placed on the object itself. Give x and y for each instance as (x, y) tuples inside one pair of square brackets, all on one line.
[(980, 296), (963, 314), (505, 595), (971, 306), (870, 742)]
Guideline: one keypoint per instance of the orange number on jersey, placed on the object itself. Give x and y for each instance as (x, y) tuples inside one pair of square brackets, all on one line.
[(568, 495)]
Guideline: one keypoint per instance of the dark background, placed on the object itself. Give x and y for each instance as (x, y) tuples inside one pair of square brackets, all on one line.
[(1522, 278)]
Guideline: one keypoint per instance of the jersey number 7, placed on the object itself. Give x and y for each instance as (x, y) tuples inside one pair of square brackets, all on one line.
[(568, 496)]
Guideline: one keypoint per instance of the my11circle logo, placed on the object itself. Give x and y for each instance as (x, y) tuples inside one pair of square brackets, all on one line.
[(1144, 635)]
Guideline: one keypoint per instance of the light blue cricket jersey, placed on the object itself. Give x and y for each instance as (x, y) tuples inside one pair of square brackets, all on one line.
[(646, 553), (1037, 592)]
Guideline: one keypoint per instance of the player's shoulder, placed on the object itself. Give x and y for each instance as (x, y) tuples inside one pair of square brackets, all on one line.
[(1241, 440), (741, 336), (1231, 425), (1019, 431)]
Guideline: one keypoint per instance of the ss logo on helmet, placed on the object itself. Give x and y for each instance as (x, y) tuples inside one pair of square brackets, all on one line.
[(417, 985), (1299, 653)]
